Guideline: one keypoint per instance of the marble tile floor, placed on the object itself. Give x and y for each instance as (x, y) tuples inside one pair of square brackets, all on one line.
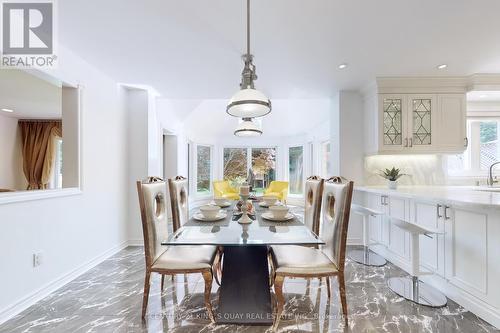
[(108, 299)]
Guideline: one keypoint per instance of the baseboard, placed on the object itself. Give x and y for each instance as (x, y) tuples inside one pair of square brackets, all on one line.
[(27, 301), (136, 242)]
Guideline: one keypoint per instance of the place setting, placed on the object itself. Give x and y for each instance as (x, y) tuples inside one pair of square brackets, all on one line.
[(210, 213), (279, 213), (268, 201), (221, 202)]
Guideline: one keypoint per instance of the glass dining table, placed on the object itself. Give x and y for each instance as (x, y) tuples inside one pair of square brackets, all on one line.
[(244, 295)]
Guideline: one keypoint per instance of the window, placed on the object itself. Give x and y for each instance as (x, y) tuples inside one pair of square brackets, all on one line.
[(296, 169), (203, 169), (263, 170), (235, 165), (325, 159), (482, 151), (257, 166)]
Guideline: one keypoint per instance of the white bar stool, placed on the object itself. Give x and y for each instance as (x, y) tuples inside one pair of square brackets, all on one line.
[(365, 257), (411, 287)]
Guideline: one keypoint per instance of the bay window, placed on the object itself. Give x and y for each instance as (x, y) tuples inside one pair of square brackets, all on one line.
[(257, 166), (203, 169)]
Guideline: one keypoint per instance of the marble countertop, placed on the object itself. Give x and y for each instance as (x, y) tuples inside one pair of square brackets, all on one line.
[(468, 195)]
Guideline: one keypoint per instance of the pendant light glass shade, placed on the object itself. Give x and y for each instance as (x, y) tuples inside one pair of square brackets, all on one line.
[(248, 103), (247, 128)]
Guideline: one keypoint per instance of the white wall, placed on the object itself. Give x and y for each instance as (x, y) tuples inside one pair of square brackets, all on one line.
[(11, 165), (137, 106), (347, 137), (73, 232)]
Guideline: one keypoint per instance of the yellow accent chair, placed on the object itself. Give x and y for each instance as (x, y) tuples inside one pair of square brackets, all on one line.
[(278, 189), (222, 189)]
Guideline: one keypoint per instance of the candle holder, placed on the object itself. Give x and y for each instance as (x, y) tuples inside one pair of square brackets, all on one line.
[(244, 219)]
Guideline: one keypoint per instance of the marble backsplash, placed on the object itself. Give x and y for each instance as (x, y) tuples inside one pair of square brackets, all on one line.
[(419, 169)]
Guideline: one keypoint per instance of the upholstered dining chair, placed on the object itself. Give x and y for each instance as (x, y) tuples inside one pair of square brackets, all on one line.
[(312, 211), (222, 189), (278, 189), (329, 259), (178, 189), (171, 260)]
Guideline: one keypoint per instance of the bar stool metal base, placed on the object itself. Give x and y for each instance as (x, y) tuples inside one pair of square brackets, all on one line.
[(417, 291), (367, 257)]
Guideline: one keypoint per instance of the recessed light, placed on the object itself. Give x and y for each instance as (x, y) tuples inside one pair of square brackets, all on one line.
[(342, 66), (483, 96), (442, 66), (7, 110)]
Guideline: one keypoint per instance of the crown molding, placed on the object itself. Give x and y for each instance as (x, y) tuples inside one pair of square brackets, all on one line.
[(484, 82), (422, 85)]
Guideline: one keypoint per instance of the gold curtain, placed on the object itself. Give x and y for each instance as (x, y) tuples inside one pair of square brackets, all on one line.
[(38, 150)]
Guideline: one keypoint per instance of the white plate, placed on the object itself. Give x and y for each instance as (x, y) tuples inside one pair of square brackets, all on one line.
[(224, 205), (199, 217), (269, 216)]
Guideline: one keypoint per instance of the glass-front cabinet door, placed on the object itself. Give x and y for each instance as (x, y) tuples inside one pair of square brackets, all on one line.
[(421, 121), (392, 122)]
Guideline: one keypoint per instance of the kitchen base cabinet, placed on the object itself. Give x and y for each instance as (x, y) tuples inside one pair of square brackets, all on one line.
[(464, 260)]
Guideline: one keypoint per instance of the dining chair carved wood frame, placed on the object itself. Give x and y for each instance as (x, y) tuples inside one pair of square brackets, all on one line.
[(178, 189), (339, 242), (152, 240)]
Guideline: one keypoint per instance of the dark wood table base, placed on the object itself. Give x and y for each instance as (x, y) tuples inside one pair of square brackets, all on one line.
[(244, 296)]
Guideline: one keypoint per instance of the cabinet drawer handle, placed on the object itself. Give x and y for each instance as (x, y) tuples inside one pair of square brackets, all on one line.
[(429, 236), (406, 142), (411, 142), (438, 209), (466, 143), (446, 217)]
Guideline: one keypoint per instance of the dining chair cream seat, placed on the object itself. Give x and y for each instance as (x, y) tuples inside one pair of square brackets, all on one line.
[(329, 259), (296, 259), (169, 260)]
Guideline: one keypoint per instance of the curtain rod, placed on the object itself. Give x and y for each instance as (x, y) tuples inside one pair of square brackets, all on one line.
[(39, 120)]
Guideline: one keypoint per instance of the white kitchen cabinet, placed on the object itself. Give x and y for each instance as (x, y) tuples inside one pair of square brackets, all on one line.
[(376, 202), (464, 260), (451, 120), (393, 122), (467, 245), (398, 240), (432, 247), (421, 123)]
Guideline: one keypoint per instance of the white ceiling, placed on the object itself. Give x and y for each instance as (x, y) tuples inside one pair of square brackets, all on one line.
[(208, 120), (191, 49), (28, 96)]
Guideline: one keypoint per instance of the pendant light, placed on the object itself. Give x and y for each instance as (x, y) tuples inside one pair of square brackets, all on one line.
[(247, 128), (248, 102)]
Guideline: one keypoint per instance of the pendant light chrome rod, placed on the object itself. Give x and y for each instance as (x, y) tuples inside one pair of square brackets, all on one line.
[(248, 28)]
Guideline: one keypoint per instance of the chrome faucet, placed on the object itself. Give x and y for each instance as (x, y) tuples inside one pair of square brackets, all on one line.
[(491, 181)]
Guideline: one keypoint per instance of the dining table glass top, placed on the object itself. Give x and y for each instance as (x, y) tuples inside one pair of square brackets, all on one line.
[(229, 232)]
